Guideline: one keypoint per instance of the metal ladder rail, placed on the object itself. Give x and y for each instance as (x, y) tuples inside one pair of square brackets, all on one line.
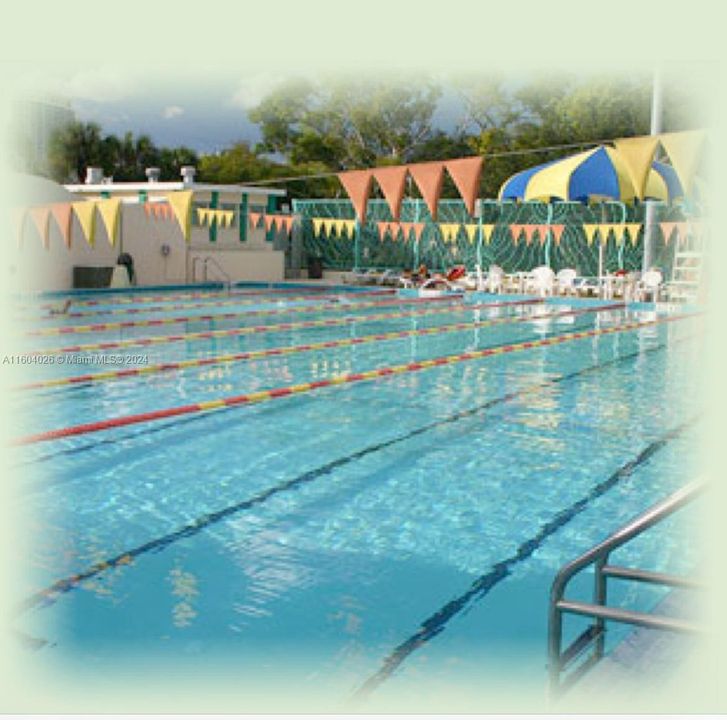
[(227, 282), (559, 660)]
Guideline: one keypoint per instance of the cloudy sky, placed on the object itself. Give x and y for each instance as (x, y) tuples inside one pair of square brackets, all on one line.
[(207, 112)]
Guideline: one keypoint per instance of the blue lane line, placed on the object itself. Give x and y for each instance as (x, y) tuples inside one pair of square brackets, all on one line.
[(437, 622), (50, 594)]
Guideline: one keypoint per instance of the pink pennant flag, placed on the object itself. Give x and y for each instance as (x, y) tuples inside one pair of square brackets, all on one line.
[(557, 231), (428, 178), (41, 218), (418, 230), (62, 213), (357, 184), (466, 175), (254, 219), (392, 181), (667, 228)]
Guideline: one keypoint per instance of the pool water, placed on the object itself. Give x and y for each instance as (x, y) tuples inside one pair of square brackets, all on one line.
[(373, 536)]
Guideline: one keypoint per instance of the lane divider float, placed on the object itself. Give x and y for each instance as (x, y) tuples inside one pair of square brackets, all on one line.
[(103, 327), (293, 349), (278, 327), (344, 379)]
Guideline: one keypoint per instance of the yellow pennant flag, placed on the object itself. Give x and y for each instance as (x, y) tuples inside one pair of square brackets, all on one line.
[(350, 227), (487, 231), (604, 230), (201, 216), (471, 231), (619, 232), (637, 154), (229, 217), (339, 225), (590, 231), (633, 230), (449, 231), (317, 224), (181, 203), (684, 149), (110, 211), (85, 211), (328, 226)]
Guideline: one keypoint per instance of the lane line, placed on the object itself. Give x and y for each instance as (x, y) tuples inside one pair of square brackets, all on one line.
[(337, 381), (278, 327), (437, 622), (51, 593), (146, 370)]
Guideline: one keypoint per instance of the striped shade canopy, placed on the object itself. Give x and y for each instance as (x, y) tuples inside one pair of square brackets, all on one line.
[(599, 173)]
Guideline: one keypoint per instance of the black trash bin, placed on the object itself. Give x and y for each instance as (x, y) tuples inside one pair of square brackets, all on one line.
[(315, 268)]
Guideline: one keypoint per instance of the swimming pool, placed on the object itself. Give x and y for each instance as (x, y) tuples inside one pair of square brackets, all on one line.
[(392, 514)]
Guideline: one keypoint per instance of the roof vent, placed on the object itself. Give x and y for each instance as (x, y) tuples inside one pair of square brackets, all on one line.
[(188, 173), (94, 175), (152, 174)]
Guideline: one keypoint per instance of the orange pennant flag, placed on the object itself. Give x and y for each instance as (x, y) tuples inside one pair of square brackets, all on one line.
[(357, 184), (254, 219), (382, 228), (529, 231), (418, 230), (516, 230), (41, 219), (394, 230), (542, 233), (557, 232), (428, 178), (667, 228), (392, 181), (268, 220), (62, 214), (466, 174), (406, 228), (147, 209)]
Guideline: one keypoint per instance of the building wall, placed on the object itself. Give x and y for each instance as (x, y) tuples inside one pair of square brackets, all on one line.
[(34, 269)]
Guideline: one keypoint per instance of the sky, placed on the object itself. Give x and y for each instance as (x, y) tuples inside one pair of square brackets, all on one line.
[(205, 113)]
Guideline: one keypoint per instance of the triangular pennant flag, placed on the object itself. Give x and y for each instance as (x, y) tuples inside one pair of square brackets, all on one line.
[(449, 231), (428, 178), (382, 228), (254, 220), (543, 233), (338, 225), (85, 211), (604, 230), (202, 215), (529, 231), (466, 176), (181, 202), (287, 223), (392, 181), (357, 184), (487, 231), (394, 230), (406, 228), (633, 230), (667, 228), (268, 220), (62, 215), (516, 231), (418, 230), (619, 232), (557, 232), (41, 219), (168, 212), (155, 210), (110, 212), (637, 154), (684, 149), (328, 226), (317, 225), (147, 209), (471, 230), (349, 227), (590, 231)]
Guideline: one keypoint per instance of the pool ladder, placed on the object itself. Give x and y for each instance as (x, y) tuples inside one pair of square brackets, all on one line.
[(593, 637), (226, 279)]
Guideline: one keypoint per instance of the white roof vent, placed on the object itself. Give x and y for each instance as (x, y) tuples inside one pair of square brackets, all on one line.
[(94, 175), (188, 173), (152, 174)]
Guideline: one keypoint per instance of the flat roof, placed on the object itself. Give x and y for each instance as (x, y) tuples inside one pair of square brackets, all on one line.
[(170, 186)]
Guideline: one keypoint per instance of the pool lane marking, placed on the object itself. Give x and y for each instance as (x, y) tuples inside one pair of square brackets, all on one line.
[(279, 327), (436, 623), (344, 379), (333, 300), (137, 299), (126, 557), (292, 349), (103, 327)]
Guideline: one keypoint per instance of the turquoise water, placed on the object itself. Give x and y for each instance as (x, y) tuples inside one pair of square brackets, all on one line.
[(318, 534)]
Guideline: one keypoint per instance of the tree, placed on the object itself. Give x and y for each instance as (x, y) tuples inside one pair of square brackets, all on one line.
[(72, 149)]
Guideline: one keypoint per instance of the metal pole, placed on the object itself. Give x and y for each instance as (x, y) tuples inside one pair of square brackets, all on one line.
[(650, 218), (548, 220), (357, 246)]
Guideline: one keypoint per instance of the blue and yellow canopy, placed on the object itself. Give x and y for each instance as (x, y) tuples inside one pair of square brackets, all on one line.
[(598, 173)]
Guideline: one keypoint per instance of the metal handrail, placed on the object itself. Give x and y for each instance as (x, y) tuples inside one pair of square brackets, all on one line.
[(559, 660), (227, 282)]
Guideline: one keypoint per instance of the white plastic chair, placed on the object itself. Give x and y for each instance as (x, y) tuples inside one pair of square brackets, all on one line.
[(649, 285), (565, 281), (495, 279), (541, 281)]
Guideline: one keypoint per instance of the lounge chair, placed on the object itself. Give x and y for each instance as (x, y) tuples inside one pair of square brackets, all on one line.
[(649, 285), (541, 281), (565, 281)]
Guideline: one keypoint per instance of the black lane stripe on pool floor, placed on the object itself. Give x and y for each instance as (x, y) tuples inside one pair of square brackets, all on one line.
[(50, 594), (437, 622)]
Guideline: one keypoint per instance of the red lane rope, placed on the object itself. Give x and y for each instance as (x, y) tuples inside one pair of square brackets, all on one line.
[(348, 378)]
